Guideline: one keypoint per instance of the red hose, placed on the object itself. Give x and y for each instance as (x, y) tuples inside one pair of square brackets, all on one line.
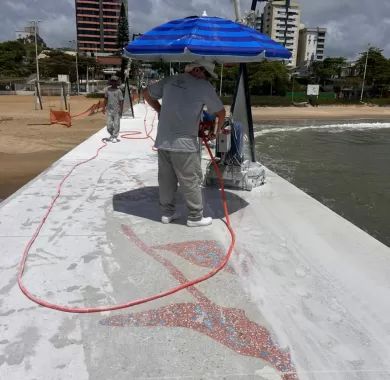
[(139, 301)]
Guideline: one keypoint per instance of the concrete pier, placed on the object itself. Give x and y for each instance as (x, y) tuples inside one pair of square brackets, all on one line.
[(306, 294)]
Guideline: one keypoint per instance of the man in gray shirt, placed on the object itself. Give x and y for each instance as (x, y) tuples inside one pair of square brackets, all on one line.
[(183, 98), (113, 105)]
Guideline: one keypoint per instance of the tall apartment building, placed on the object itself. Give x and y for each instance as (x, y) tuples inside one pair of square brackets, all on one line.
[(97, 25), (311, 46), (283, 27)]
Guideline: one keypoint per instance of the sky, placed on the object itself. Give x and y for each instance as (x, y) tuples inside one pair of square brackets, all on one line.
[(351, 24)]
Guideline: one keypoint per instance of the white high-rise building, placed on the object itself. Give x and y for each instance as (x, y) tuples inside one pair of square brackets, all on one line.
[(311, 46), (282, 25)]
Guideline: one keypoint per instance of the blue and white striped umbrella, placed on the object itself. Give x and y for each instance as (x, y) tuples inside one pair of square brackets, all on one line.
[(212, 38)]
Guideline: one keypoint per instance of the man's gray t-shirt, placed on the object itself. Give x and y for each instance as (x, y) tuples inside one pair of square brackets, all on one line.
[(114, 98), (183, 98)]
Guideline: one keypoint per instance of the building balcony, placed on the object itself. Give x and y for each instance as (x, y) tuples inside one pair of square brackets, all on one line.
[(95, 36), (87, 15), (111, 5), (88, 9), (88, 25), (289, 32), (112, 15), (95, 2), (290, 26), (88, 4), (290, 19), (88, 42), (88, 30)]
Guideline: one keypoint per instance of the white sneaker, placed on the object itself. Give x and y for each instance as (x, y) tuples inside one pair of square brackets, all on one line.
[(169, 219), (200, 223)]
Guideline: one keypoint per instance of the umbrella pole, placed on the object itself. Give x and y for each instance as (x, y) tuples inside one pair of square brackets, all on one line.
[(244, 70), (244, 75)]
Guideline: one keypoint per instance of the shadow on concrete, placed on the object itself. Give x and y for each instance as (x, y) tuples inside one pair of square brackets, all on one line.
[(144, 203)]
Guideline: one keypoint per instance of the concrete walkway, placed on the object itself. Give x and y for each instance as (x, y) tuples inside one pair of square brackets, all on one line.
[(305, 296)]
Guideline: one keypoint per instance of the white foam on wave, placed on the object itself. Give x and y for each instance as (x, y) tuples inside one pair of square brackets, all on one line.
[(333, 128)]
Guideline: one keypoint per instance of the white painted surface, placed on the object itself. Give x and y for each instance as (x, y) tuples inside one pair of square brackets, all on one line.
[(320, 285)]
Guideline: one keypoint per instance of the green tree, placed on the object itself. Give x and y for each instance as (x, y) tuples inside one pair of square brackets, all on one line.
[(229, 78), (12, 57), (17, 58), (123, 28), (268, 78), (378, 70), (161, 67), (123, 38), (58, 62), (327, 70)]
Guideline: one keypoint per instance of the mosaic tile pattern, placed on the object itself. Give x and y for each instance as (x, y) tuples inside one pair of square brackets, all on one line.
[(205, 253), (227, 326)]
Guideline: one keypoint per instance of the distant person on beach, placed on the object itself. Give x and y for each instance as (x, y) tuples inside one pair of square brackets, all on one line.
[(113, 106), (313, 101), (183, 98)]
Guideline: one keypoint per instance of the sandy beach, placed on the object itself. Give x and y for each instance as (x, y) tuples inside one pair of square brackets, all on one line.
[(29, 144), (353, 112)]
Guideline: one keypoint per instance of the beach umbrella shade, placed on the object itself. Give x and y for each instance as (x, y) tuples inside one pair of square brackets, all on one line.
[(215, 39), (211, 38)]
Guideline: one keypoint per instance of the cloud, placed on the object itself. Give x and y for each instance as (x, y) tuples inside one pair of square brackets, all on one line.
[(351, 24), (154, 12), (57, 19), (17, 7), (58, 31)]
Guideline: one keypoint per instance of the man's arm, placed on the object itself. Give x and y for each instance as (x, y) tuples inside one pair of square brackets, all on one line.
[(220, 115), (104, 104), (221, 119), (154, 103), (121, 107)]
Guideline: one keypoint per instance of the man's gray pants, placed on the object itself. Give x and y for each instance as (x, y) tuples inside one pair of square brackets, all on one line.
[(113, 123), (183, 168)]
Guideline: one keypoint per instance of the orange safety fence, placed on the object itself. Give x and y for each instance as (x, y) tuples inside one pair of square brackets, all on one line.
[(135, 97), (60, 117), (91, 110), (65, 118)]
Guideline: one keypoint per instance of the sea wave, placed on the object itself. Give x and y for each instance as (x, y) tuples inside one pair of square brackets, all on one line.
[(333, 128)]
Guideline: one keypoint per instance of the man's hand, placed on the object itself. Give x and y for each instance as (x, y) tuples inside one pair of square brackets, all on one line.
[(104, 110), (212, 135), (221, 119), (154, 103)]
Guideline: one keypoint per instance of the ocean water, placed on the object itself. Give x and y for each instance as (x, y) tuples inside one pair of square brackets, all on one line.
[(345, 166)]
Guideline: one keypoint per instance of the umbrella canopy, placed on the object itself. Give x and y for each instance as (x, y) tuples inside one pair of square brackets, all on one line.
[(212, 38)]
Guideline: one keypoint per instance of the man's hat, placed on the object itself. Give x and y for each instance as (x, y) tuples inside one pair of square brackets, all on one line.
[(114, 78), (208, 66)]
